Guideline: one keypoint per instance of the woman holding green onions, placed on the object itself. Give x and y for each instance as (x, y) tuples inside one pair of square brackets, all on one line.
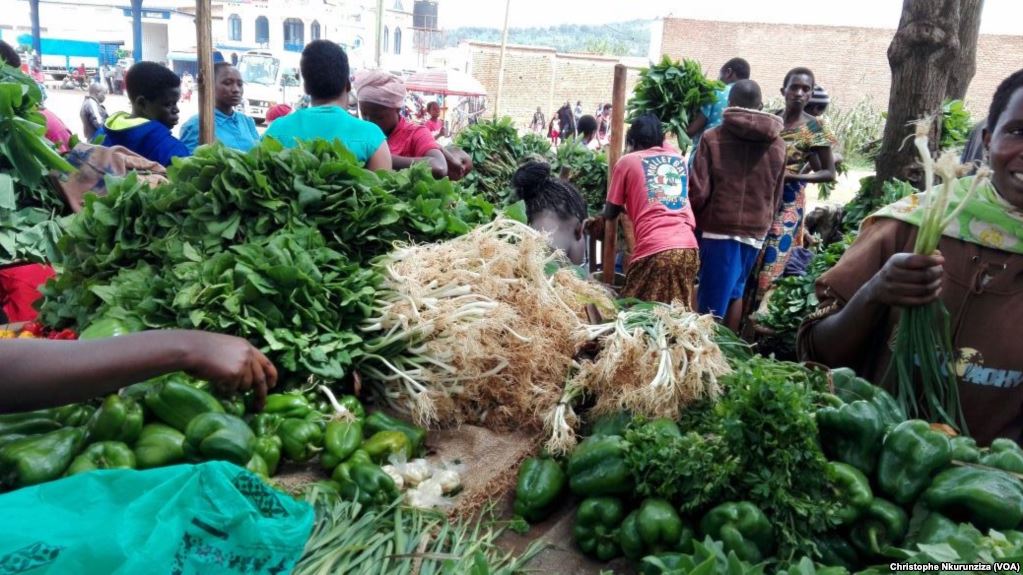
[(976, 272)]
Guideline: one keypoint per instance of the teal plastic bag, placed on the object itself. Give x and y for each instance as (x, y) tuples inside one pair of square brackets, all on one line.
[(211, 518)]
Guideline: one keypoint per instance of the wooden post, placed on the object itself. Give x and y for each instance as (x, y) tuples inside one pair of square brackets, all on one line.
[(500, 62), (613, 155), (37, 42), (204, 53)]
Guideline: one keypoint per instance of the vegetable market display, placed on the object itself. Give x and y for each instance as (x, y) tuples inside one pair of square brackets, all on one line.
[(497, 151), (790, 470), (31, 214), (273, 246), (674, 92)]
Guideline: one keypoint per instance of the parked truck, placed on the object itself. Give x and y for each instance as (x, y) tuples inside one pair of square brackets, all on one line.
[(269, 79)]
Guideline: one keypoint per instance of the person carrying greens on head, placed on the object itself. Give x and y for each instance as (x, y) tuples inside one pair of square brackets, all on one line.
[(650, 184), (977, 273), (325, 77), (809, 160), (736, 186), (233, 129), (154, 92), (381, 96), (711, 115)]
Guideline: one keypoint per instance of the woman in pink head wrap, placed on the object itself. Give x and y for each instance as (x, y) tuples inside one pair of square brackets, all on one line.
[(381, 97)]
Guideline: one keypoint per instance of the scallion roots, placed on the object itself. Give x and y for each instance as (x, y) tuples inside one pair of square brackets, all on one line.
[(473, 330)]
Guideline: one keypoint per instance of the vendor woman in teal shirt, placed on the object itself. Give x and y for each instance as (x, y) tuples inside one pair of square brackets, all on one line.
[(233, 129)]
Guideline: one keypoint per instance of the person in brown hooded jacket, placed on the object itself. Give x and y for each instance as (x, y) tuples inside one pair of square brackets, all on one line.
[(736, 187)]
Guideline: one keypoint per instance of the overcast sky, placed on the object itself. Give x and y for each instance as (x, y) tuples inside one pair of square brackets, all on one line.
[(1000, 16)]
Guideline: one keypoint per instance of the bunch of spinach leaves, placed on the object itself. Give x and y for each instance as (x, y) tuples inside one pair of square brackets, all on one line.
[(674, 92), (273, 245)]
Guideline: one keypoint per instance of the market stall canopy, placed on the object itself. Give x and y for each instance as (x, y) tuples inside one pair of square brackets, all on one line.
[(445, 82)]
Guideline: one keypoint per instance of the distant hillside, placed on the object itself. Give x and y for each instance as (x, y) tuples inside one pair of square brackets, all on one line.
[(630, 38)]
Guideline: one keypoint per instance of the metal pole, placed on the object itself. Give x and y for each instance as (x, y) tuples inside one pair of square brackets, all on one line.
[(500, 65), (204, 51), (136, 29), (37, 43), (380, 34)]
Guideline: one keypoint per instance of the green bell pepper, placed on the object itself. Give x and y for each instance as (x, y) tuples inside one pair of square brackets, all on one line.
[(379, 421), (116, 420), (34, 426), (964, 449), (359, 456), (301, 439), (912, 453), (741, 527), (219, 436), (881, 525), (854, 494), (663, 426), (233, 405), (383, 444), (176, 404), (288, 405), (264, 424), (613, 424), (340, 440), (74, 415), (851, 388), (268, 447), (988, 498), (159, 445), (852, 433), (258, 466), (836, 550), (541, 481), (354, 406), (929, 527), (104, 328), (103, 455), (5, 439), (365, 483), (654, 528), (598, 467), (39, 458), (596, 527), (1004, 454)]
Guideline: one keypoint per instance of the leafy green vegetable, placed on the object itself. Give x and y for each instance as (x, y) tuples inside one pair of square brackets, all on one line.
[(30, 211), (955, 125), (767, 419), (795, 297), (865, 204), (496, 151), (274, 245), (587, 170), (673, 92)]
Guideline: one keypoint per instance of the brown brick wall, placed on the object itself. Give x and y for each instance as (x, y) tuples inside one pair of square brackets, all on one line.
[(852, 63), (537, 76)]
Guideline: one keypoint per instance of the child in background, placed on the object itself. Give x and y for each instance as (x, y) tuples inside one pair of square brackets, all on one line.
[(154, 92), (736, 187)]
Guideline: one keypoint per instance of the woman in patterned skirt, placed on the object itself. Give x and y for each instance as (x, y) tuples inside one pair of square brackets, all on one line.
[(809, 160)]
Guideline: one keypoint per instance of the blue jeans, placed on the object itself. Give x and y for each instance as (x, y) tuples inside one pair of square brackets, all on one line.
[(724, 267)]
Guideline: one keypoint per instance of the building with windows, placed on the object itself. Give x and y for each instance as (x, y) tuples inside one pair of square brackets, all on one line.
[(397, 52)]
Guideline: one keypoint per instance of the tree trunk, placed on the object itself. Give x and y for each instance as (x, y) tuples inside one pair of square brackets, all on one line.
[(965, 66), (923, 57)]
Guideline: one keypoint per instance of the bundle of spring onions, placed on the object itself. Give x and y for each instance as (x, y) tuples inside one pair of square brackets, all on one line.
[(923, 357), (473, 330), (654, 362)]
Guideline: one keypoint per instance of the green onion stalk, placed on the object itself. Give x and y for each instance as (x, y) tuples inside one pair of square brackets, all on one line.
[(923, 358)]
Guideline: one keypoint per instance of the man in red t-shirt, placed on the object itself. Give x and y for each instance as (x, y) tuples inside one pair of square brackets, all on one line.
[(651, 186), (381, 96)]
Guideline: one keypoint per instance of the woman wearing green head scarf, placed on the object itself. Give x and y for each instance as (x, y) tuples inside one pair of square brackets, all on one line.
[(977, 273)]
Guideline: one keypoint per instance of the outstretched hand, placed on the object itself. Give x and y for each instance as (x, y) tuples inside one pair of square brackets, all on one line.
[(232, 365)]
